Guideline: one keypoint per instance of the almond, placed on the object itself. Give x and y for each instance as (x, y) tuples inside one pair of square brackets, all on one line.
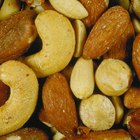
[(95, 9), (136, 55), (59, 104), (132, 98), (106, 33)]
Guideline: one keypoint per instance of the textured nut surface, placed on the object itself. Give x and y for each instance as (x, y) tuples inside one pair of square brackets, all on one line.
[(113, 77), (97, 112), (106, 32), (82, 78), (95, 9), (16, 34), (70, 8), (136, 55), (57, 50), (132, 98), (118, 134), (23, 97), (26, 134), (59, 104)]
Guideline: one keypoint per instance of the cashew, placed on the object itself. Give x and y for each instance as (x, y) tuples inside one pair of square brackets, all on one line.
[(82, 78), (23, 95), (97, 112), (80, 31), (58, 39), (113, 77), (70, 8), (8, 8)]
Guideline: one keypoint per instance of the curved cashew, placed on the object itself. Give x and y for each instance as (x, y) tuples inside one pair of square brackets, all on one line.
[(23, 95), (58, 39)]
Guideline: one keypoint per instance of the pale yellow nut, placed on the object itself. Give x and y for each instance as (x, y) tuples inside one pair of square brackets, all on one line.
[(119, 109), (58, 39), (113, 77), (70, 8), (97, 112), (58, 136), (136, 7), (82, 78), (8, 8), (124, 3), (81, 35), (23, 95), (136, 24)]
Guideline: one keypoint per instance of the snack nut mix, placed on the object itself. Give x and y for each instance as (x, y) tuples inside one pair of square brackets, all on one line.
[(69, 70)]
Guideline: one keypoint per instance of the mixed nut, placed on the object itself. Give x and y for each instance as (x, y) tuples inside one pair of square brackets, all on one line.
[(69, 69)]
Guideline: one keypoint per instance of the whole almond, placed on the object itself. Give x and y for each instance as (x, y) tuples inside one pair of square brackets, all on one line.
[(106, 33), (59, 104), (95, 9)]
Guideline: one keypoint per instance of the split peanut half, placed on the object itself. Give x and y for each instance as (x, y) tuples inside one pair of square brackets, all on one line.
[(70, 8), (97, 112), (23, 95), (82, 78), (58, 39), (113, 77)]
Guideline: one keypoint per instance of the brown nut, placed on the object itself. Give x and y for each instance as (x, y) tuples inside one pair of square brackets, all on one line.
[(16, 35), (113, 77), (95, 9), (118, 134), (4, 93), (136, 55), (106, 33), (133, 123), (59, 104), (132, 98), (121, 45), (26, 134)]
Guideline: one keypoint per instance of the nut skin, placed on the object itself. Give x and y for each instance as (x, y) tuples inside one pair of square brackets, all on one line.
[(132, 98), (16, 35), (134, 123), (95, 9), (59, 104), (106, 33), (136, 55), (118, 134), (26, 134)]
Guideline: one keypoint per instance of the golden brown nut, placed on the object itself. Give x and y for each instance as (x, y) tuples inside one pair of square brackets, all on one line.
[(97, 112), (16, 35), (59, 104), (132, 98), (107, 32), (113, 77), (136, 55), (4, 93), (95, 9), (26, 134), (118, 134)]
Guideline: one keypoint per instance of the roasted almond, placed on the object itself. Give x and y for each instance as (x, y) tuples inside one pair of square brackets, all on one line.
[(16, 34), (95, 9), (107, 32), (59, 104), (132, 98)]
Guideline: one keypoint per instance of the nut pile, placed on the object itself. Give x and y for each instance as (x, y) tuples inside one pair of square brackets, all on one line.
[(69, 69)]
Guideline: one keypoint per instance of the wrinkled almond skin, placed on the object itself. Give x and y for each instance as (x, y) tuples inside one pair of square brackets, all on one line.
[(16, 35), (136, 55), (4, 93), (119, 134), (121, 45), (59, 104), (134, 123), (26, 134), (106, 33), (95, 9), (132, 98)]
